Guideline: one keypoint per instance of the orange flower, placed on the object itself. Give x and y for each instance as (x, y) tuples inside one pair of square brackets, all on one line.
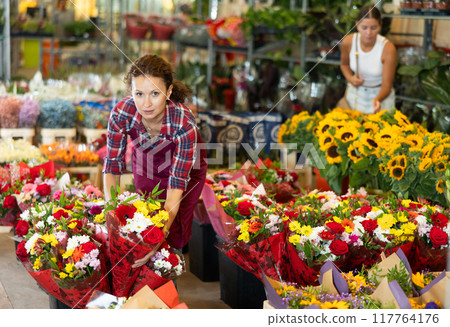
[(347, 222), (77, 254), (254, 226)]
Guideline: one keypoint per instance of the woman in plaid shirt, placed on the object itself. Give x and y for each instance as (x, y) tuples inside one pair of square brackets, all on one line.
[(166, 144)]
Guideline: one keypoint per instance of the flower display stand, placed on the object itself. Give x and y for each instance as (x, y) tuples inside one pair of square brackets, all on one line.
[(26, 134), (51, 135), (203, 257), (93, 134), (239, 288), (94, 173)]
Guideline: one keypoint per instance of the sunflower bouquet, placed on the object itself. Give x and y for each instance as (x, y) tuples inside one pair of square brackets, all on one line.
[(299, 129)]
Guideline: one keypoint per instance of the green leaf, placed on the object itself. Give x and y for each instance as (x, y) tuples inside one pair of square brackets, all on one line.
[(412, 70), (431, 63), (404, 185)]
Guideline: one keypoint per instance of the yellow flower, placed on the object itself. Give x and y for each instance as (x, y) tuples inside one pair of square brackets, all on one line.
[(245, 236), (370, 127), (353, 153), (100, 218), (440, 186), (402, 217), (386, 221), (154, 206), (437, 152), (37, 264), (347, 133), (325, 141), (141, 207), (69, 267), (409, 228), (397, 172), (332, 155), (426, 150), (425, 164), (294, 226), (401, 119), (418, 279), (383, 168), (294, 239), (50, 239), (72, 225), (440, 165), (334, 305), (62, 275), (306, 230), (396, 232), (225, 203), (244, 226), (406, 203), (67, 254), (281, 133), (369, 144), (416, 141)]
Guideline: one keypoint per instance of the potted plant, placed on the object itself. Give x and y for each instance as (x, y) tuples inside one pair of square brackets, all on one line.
[(80, 29)]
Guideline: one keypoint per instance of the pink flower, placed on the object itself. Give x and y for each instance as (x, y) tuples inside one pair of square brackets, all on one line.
[(246, 188), (92, 190), (29, 188), (57, 195)]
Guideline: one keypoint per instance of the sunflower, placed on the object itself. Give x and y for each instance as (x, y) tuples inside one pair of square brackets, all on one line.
[(332, 155), (383, 168), (415, 140), (425, 164), (402, 160), (440, 186), (437, 152), (426, 150), (353, 153), (371, 127), (347, 133), (334, 305), (324, 125), (370, 146), (397, 172), (282, 131), (440, 165), (401, 119), (393, 162), (325, 141)]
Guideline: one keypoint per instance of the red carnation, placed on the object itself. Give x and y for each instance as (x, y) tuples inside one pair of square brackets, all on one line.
[(294, 176), (22, 228), (225, 183), (415, 206), (88, 247), (5, 188), (69, 207), (362, 211), (281, 173), (124, 212), (438, 237), (439, 220), (152, 235), (327, 235), (21, 252), (338, 247), (60, 213), (173, 259), (9, 202), (335, 227), (244, 208), (44, 189), (369, 225)]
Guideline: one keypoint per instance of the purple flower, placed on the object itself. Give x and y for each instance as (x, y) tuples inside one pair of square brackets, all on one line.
[(95, 210), (29, 112), (431, 305), (353, 238)]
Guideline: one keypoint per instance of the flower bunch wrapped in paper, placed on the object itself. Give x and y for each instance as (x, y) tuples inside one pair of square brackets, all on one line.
[(281, 184), (135, 228), (59, 251)]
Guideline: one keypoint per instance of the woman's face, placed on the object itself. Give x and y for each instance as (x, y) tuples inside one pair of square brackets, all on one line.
[(150, 95), (368, 28)]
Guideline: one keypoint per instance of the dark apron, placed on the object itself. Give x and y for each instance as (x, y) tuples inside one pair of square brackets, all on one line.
[(152, 166)]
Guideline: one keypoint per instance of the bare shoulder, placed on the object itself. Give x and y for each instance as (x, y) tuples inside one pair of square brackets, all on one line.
[(347, 41), (389, 51)]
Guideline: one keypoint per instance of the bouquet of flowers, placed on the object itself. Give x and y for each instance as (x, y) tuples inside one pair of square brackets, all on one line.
[(57, 113), (19, 150), (71, 155), (29, 113), (9, 111), (135, 228)]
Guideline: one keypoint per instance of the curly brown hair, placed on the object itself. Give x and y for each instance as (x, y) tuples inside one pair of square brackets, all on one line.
[(156, 66)]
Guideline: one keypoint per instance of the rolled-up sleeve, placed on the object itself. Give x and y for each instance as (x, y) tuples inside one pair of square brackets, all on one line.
[(114, 162), (184, 156)]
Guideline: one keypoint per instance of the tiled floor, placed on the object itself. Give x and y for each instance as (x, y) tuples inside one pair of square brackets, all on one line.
[(18, 290)]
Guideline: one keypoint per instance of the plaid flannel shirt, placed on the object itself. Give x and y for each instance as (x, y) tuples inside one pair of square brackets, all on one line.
[(178, 125)]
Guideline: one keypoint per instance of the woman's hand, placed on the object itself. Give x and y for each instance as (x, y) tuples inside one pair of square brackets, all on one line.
[(144, 260), (376, 104), (356, 81)]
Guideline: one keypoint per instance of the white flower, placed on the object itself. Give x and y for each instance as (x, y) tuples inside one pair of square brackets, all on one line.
[(167, 265), (30, 243), (60, 235), (330, 204), (40, 224), (76, 241), (25, 215), (158, 264), (126, 195), (379, 233), (137, 224), (50, 220), (359, 229), (165, 253), (423, 228), (179, 270), (158, 273), (374, 214)]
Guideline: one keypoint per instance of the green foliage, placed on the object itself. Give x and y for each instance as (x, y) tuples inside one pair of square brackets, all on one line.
[(79, 28)]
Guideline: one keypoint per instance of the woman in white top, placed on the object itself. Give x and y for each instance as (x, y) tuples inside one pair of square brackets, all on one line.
[(368, 62)]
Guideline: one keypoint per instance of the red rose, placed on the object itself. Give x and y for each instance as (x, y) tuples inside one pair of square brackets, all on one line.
[(294, 176), (69, 207), (153, 235), (415, 206), (361, 211), (9, 202), (327, 235), (88, 247), (369, 225), (21, 252), (123, 212), (338, 247), (225, 183), (281, 173), (173, 259), (244, 208), (5, 188), (335, 227), (60, 213), (22, 228), (438, 237), (439, 220), (44, 189)]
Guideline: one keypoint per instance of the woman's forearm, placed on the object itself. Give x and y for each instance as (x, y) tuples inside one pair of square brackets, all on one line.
[(347, 72), (110, 180)]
